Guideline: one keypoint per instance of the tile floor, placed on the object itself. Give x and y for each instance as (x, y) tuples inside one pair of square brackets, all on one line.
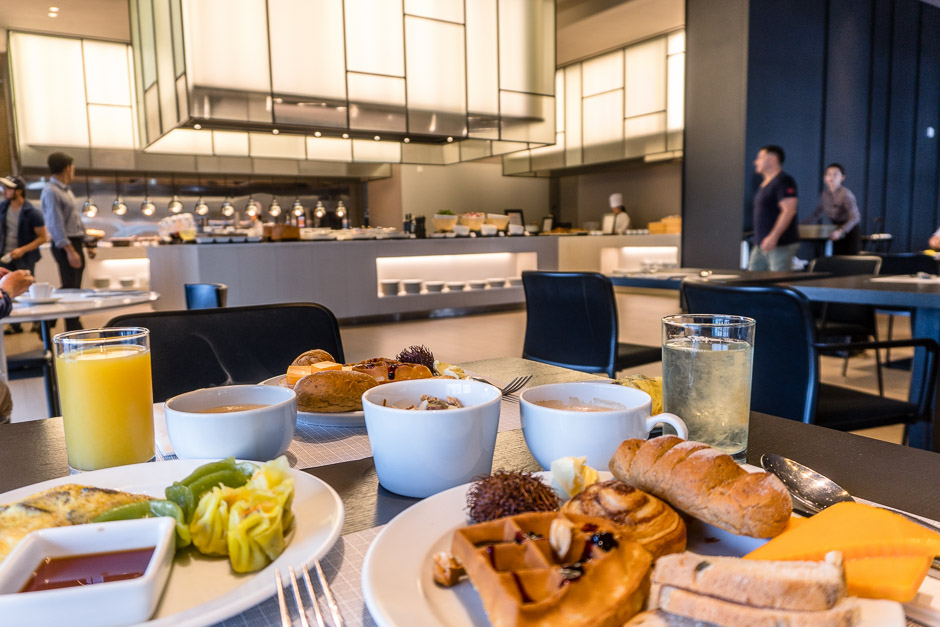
[(501, 334)]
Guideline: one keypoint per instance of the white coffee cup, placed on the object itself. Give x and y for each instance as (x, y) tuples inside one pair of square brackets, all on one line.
[(40, 290), (552, 433)]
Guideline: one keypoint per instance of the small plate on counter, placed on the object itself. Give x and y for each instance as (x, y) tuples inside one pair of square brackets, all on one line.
[(455, 286), (477, 285), (28, 300)]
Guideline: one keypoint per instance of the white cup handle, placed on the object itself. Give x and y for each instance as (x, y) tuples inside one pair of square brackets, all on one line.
[(669, 419)]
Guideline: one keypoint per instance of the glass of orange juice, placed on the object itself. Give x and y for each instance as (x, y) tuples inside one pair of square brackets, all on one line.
[(105, 392)]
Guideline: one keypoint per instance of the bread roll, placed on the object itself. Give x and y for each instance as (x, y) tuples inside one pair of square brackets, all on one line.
[(651, 522), (386, 370), (332, 391), (312, 357), (705, 483)]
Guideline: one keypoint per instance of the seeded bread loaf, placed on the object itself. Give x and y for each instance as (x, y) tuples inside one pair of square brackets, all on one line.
[(781, 585), (845, 613), (705, 483)]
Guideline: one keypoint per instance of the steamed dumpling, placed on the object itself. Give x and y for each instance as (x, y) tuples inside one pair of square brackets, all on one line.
[(255, 533), (274, 476), (210, 522)]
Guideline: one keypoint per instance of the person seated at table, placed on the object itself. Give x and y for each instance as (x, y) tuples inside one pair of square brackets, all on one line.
[(12, 284), (837, 203), (22, 231)]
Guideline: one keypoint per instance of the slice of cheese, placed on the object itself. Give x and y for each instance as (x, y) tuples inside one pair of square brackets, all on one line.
[(886, 556), (295, 374), (325, 365), (894, 578), (855, 530)]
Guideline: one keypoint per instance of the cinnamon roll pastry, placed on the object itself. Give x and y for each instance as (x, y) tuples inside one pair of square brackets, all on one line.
[(655, 525)]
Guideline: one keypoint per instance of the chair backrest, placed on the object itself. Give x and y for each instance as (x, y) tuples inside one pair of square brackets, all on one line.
[(571, 320), (191, 349), (908, 263), (846, 265), (785, 380), (205, 295)]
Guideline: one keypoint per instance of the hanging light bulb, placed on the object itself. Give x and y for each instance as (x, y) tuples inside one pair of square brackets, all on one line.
[(320, 210), (275, 209), (175, 205), (147, 208), (90, 209), (297, 208), (253, 208), (118, 207), (201, 207), (228, 210), (340, 210)]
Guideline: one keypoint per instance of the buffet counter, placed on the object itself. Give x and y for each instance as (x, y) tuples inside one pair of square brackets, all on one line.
[(362, 279), (106, 266)]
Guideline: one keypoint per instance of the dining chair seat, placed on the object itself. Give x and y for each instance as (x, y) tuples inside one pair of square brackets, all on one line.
[(571, 321), (192, 349), (205, 295), (846, 409)]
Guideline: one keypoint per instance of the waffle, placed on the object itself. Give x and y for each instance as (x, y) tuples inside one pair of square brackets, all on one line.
[(601, 579)]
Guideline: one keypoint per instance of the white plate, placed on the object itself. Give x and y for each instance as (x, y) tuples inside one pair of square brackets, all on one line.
[(324, 419), (26, 299), (399, 589), (204, 590)]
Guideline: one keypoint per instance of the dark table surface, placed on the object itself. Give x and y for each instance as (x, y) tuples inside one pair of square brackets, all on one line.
[(672, 279), (879, 471), (863, 291)]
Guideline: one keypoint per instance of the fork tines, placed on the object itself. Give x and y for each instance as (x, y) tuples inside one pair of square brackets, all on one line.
[(298, 598), (516, 384)]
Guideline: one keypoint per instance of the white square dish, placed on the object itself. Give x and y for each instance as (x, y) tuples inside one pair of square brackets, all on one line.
[(102, 604)]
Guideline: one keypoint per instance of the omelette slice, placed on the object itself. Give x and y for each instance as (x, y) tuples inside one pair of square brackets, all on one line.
[(63, 505)]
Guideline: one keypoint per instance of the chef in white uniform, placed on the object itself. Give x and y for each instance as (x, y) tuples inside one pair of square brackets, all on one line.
[(621, 218)]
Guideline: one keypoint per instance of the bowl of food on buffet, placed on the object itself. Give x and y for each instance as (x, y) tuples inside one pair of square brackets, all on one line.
[(444, 222), (434, 286), (431, 435), (461, 230), (244, 421), (488, 230), (497, 220), (473, 219)]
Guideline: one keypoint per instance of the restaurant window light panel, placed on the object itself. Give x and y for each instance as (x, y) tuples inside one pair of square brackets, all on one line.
[(625, 104), (400, 81)]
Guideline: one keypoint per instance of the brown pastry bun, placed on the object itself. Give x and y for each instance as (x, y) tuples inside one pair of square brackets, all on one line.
[(385, 370), (310, 357), (332, 391), (650, 521)]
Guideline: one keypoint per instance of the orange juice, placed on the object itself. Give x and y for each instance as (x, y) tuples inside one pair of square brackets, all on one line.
[(107, 405)]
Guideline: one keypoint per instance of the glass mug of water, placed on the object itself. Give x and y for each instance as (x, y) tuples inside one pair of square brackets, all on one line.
[(707, 361), (104, 383)]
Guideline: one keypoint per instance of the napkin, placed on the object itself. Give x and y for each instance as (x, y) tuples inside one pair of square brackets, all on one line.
[(160, 435)]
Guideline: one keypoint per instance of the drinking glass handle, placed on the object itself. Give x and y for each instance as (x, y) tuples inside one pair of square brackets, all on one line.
[(670, 419)]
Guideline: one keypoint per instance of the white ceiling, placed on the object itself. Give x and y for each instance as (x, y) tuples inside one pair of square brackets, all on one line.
[(105, 19)]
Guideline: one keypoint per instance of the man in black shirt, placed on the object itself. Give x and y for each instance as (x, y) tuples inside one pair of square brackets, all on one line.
[(775, 228)]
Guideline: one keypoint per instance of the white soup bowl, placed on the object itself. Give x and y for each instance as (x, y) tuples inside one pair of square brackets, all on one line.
[(259, 434), (420, 453), (552, 433)]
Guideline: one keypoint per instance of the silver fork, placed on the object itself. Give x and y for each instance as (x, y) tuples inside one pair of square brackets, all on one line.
[(298, 599), (513, 386)]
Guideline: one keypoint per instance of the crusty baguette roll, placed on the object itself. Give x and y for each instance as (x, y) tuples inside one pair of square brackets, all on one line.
[(681, 602), (332, 391), (312, 357), (705, 483), (652, 523), (780, 585), (386, 370)]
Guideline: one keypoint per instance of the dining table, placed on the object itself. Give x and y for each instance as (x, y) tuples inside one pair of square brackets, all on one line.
[(898, 476), (672, 278), (65, 303), (918, 292)]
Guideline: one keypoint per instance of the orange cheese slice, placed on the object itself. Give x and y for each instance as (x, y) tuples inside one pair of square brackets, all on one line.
[(855, 530), (296, 373), (894, 578)]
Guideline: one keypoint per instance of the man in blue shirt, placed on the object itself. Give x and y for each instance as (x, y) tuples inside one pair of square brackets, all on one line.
[(776, 237), (64, 223)]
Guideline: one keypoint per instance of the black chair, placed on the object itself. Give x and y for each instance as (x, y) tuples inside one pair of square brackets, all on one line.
[(786, 362), (903, 263), (839, 320), (571, 321), (207, 347), (205, 295)]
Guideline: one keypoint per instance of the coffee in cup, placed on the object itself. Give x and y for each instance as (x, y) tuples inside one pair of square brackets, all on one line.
[(587, 420)]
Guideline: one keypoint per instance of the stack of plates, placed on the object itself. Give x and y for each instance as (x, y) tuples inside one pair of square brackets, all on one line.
[(496, 282), (455, 286), (389, 287), (434, 286), (515, 281), (412, 286), (477, 285)]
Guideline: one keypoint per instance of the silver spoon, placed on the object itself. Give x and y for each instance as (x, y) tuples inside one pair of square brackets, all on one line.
[(813, 492)]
